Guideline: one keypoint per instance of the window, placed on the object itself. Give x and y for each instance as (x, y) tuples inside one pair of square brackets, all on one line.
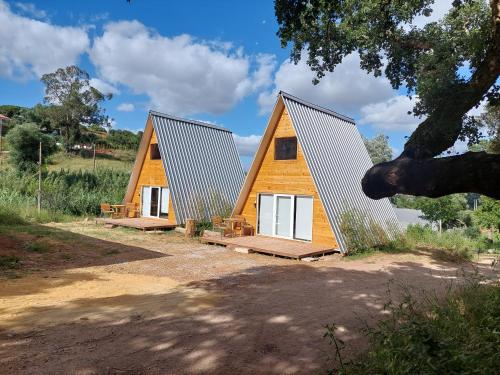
[(285, 148), (154, 151)]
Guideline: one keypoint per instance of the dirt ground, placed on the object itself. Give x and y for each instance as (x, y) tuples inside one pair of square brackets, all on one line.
[(101, 301)]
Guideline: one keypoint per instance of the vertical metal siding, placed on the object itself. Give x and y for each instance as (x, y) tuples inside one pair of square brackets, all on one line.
[(337, 158), (199, 160)]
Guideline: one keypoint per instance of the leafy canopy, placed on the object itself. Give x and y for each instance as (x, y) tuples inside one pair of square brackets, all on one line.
[(73, 102)]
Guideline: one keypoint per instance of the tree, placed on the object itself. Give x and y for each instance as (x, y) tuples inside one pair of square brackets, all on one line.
[(446, 210), (490, 119), (488, 213), (428, 61), (378, 148), (73, 102), (24, 141)]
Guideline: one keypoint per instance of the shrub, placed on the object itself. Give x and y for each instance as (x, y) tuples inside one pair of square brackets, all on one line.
[(23, 143), (9, 262), (361, 233), (457, 334)]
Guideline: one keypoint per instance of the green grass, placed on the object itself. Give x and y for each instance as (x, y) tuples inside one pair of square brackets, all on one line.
[(36, 247), (454, 334), (9, 262), (119, 160)]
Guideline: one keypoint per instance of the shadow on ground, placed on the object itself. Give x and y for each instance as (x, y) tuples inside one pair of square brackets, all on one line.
[(267, 319)]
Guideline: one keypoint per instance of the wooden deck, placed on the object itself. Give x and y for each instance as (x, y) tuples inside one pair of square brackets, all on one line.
[(269, 245), (144, 223)]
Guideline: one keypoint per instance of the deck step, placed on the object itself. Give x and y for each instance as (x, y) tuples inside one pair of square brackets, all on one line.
[(242, 250)]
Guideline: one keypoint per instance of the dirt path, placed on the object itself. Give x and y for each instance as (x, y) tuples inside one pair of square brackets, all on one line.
[(191, 308)]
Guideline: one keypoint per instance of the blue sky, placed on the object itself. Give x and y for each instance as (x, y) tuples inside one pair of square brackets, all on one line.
[(218, 61)]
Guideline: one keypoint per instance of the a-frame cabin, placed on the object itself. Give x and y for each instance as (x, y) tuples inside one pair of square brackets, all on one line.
[(306, 173), (184, 169)]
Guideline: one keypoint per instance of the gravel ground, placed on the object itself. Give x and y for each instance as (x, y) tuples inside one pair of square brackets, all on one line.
[(126, 302)]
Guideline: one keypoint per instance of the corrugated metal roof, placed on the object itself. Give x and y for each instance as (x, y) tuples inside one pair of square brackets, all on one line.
[(337, 158), (202, 165)]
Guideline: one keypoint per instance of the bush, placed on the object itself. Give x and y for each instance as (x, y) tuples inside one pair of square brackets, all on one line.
[(24, 142), (361, 233), (457, 334)]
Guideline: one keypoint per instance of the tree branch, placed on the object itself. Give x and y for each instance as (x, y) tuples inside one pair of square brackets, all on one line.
[(441, 129), (477, 172)]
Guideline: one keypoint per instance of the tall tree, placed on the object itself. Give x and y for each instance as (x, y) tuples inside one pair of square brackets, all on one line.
[(378, 148), (428, 61), (73, 102)]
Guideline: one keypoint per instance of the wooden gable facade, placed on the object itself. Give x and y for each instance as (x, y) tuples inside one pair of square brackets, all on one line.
[(287, 177), (148, 171)]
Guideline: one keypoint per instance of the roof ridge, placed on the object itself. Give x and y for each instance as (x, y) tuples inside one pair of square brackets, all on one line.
[(315, 106), (189, 121)]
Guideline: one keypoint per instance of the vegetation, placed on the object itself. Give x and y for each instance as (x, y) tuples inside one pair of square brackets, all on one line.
[(364, 236), (24, 141), (454, 334), (378, 148), (429, 62), (64, 193)]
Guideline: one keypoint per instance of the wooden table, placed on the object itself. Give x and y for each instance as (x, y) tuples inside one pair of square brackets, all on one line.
[(232, 221), (119, 209)]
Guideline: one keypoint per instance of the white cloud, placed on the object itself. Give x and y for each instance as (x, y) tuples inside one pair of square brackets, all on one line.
[(181, 75), (31, 10), (126, 107), (104, 87), (391, 114), (247, 145), (33, 47), (345, 90)]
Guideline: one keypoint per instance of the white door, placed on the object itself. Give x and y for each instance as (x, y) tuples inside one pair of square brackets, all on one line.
[(165, 196), (303, 218), (265, 222), (146, 201), (284, 216)]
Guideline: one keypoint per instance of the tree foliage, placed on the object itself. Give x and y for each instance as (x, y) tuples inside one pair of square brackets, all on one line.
[(378, 148), (73, 102), (429, 62), (24, 141), (447, 209), (488, 213)]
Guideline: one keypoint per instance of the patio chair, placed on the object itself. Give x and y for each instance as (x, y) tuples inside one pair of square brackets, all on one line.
[(239, 225), (247, 230), (218, 225), (131, 210), (106, 210)]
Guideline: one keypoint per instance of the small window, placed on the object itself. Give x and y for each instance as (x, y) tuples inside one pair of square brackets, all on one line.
[(154, 151), (285, 148)]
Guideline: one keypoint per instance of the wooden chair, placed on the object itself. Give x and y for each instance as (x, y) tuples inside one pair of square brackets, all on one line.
[(131, 210), (239, 225), (218, 225), (247, 230), (107, 210)]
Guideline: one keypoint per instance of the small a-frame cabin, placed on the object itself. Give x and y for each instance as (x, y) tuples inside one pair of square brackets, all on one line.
[(184, 169), (306, 173)]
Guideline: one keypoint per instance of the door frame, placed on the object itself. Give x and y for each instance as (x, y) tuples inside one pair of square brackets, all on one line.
[(159, 199), (292, 215)]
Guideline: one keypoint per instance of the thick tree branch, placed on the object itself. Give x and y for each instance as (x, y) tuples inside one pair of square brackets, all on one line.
[(477, 172), (442, 128)]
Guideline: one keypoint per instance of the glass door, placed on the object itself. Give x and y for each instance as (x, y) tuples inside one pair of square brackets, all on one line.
[(146, 201), (265, 216), (283, 224), (303, 218), (155, 202)]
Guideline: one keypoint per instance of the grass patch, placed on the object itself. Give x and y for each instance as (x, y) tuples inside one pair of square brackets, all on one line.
[(36, 247), (119, 160), (454, 334), (9, 262)]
